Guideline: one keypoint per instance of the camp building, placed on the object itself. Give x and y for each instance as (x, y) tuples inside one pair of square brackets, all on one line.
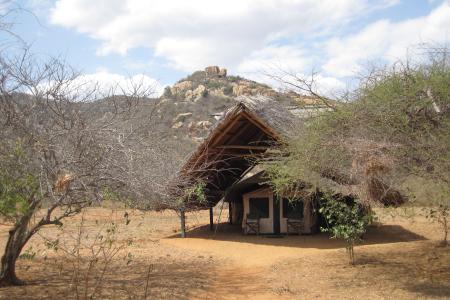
[(226, 163)]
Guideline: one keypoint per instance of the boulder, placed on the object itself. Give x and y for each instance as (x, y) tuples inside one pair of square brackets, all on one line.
[(198, 92), (177, 125), (212, 71), (223, 72), (182, 117), (240, 90), (181, 87), (198, 139), (189, 95), (203, 124)]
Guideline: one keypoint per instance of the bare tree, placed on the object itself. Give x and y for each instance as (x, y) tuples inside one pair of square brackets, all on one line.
[(61, 150)]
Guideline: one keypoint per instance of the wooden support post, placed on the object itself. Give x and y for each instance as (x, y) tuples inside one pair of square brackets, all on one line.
[(211, 218), (230, 213), (183, 223)]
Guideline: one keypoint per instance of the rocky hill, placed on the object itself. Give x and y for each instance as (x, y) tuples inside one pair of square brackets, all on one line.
[(191, 106), (186, 111), (214, 81)]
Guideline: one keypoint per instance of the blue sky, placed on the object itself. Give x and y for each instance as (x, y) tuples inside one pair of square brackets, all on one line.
[(167, 39)]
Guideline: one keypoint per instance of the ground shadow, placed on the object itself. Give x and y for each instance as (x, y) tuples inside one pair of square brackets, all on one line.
[(161, 279), (423, 269), (379, 234)]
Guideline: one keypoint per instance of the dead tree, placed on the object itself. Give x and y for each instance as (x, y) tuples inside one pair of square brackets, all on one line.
[(72, 147)]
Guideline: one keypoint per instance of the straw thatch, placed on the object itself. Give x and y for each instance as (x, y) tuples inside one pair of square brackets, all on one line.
[(244, 133)]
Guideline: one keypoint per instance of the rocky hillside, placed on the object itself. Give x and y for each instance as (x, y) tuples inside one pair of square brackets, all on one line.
[(181, 118), (215, 81), (190, 107)]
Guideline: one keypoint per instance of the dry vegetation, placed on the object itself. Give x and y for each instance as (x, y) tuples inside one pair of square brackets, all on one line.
[(399, 259)]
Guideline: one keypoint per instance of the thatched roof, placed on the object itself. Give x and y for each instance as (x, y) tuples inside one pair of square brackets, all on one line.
[(245, 132)]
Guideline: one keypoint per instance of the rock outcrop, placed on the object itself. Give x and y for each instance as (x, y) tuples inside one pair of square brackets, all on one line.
[(214, 82), (181, 87), (182, 117), (212, 71), (223, 72), (177, 125), (204, 124)]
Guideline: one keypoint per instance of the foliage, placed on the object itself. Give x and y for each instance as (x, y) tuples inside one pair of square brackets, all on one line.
[(196, 192), (53, 151), (232, 78), (18, 182), (347, 221), (228, 90), (91, 254), (29, 254), (213, 84), (167, 92), (395, 124), (439, 212)]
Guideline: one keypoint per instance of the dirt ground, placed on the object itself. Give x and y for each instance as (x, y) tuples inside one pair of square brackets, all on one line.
[(399, 259)]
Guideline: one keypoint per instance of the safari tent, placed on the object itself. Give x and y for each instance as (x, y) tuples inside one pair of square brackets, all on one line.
[(226, 163)]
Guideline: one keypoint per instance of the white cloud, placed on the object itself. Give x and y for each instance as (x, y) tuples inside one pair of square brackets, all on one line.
[(285, 57), (273, 60), (103, 83), (274, 64), (386, 40), (254, 36), (39, 7), (195, 33), (107, 82)]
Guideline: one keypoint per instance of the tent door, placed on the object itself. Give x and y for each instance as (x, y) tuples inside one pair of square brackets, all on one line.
[(276, 215)]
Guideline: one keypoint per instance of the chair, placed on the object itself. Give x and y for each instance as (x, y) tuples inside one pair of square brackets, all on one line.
[(251, 224), (295, 226)]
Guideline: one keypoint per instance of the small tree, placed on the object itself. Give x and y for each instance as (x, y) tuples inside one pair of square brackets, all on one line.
[(440, 212), (347, 221), (59, 149), (167, 92)]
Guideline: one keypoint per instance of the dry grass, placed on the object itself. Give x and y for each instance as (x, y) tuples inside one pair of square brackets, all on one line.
[(399, 259)]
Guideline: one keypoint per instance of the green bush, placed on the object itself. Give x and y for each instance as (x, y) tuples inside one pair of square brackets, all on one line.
[(346, 219), (167, 92), (228, 90)]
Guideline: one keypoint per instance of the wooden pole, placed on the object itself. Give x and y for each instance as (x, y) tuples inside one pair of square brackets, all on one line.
[(211, 218), (230, 213), (183, 223)]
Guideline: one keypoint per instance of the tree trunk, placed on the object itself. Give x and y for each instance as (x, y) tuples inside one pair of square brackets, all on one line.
[(211, 218), (18, 237), (183, 223), (445, 242), (12, 251)]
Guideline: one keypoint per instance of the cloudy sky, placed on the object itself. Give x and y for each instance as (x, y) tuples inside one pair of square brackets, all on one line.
[(167, 39)]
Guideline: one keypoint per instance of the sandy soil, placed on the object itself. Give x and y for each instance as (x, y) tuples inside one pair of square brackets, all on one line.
[(399, 259)]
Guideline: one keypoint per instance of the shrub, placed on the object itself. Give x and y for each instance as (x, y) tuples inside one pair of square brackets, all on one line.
[(228, 90), (167, 92), (345, 219)]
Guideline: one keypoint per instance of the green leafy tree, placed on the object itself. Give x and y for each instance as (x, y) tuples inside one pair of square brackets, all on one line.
[(345, 221), (394, 125), (20, 197)]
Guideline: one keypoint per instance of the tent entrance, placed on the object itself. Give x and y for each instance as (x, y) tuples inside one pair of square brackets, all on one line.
[(276, 216)]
